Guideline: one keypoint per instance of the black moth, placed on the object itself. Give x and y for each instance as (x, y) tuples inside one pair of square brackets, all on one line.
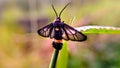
[(59, 30)]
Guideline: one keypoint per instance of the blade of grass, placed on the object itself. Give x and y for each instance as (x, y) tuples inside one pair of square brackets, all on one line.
[(63, 58), (99, 30)]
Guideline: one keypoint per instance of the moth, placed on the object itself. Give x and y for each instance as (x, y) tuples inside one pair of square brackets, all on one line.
[(58, 30)]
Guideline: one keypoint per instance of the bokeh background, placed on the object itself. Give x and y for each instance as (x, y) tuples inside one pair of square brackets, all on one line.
[(22, 47)]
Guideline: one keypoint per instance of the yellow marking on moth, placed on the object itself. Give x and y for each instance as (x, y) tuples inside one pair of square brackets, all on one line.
[(58, 41), (56, 29)]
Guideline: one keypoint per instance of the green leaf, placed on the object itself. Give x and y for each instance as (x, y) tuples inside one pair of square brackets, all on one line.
[(63, 57), (99, 30)]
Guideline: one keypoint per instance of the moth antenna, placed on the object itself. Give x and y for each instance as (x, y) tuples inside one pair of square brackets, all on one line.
[(54, 10), (63, 9)]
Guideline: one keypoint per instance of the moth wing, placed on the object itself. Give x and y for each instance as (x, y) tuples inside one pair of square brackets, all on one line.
[(46, 31), (70, 33)]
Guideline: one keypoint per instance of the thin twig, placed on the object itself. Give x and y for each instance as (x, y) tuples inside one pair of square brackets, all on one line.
[(54, 58)]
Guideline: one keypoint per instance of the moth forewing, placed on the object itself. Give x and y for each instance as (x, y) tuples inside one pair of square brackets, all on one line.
[(46, 31), (72, 34)]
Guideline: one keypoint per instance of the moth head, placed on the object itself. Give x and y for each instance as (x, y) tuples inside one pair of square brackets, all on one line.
[(58, 19)]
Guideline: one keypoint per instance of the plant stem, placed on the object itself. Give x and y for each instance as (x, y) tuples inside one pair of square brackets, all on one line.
[(54, 58)]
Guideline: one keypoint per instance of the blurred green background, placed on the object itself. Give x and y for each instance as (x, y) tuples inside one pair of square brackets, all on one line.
[(22, 47)]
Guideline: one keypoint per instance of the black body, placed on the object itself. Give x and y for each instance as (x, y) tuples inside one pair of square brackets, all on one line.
[(57, 30)]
